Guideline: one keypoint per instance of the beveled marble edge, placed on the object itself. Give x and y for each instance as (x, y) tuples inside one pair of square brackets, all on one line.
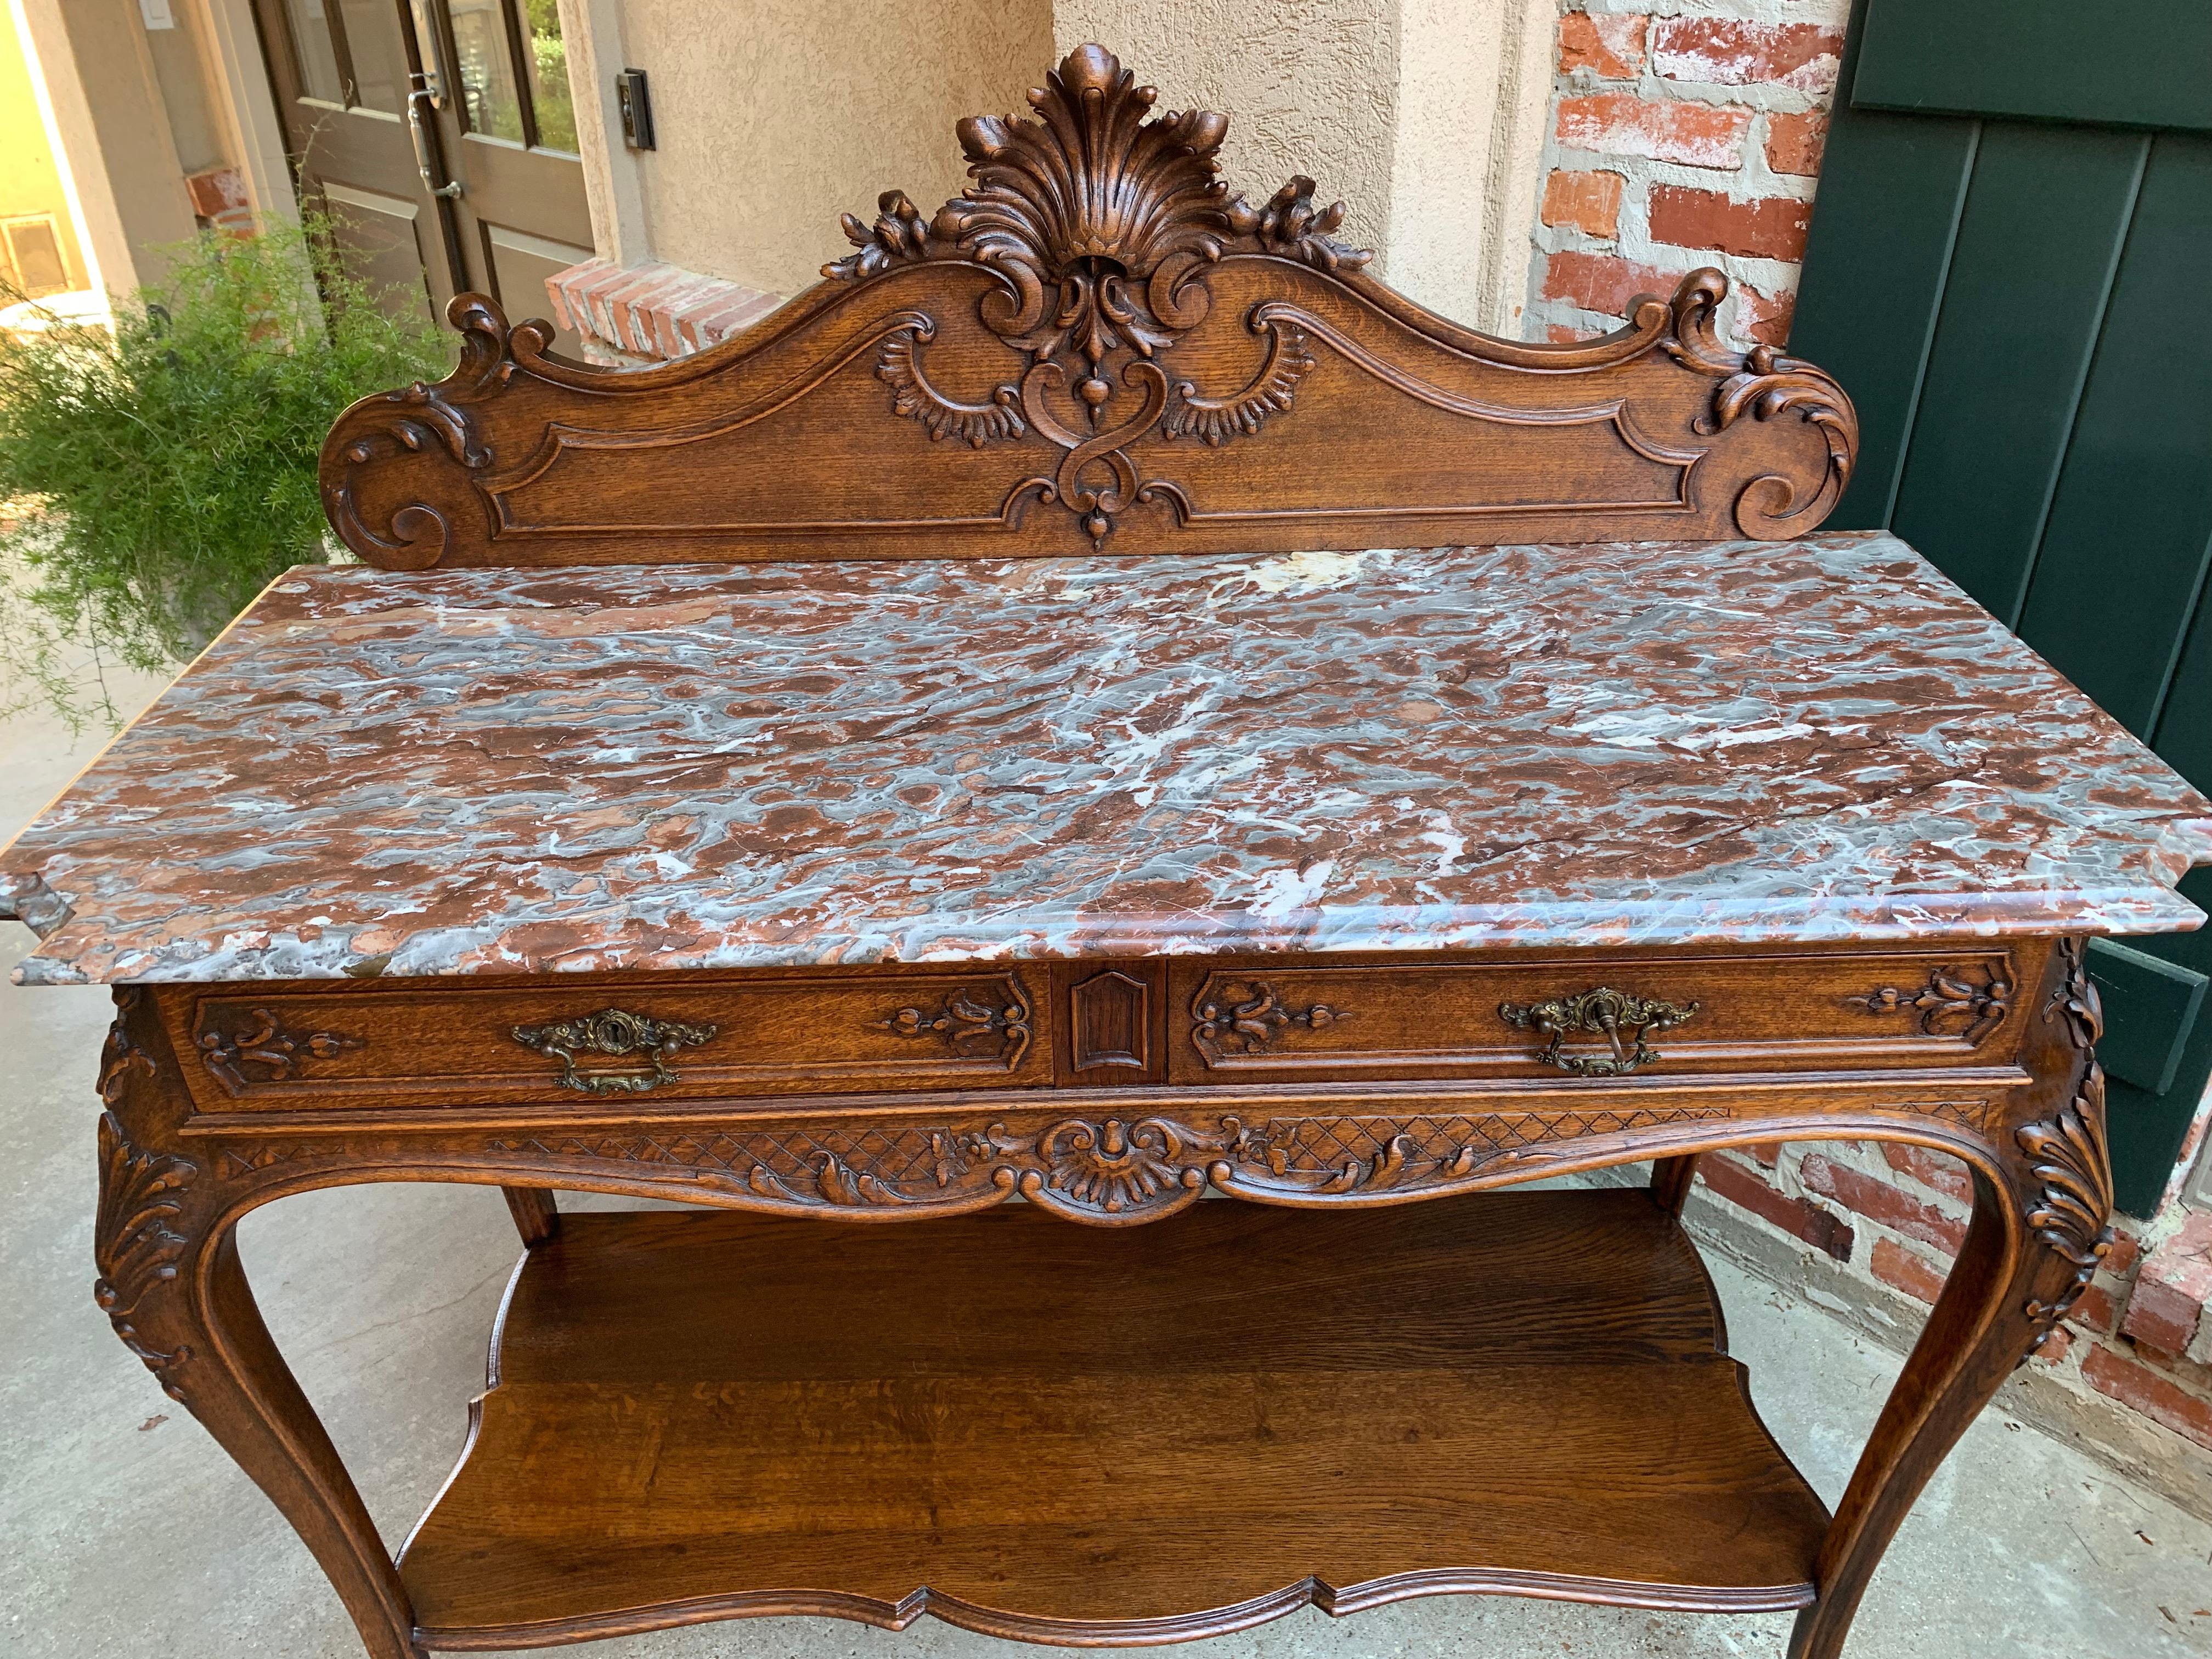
[(262, 956)]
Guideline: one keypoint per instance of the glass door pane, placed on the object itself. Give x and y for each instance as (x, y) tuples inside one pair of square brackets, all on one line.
[(379, 56), (487, 75), (548, 76), (318, 60)]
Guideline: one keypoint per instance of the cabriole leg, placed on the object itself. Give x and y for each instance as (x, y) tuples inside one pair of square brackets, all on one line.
[(171, 1283), (2036, 1238)]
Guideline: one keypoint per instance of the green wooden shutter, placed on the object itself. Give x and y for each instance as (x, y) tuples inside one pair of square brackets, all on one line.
[(2010, 271)]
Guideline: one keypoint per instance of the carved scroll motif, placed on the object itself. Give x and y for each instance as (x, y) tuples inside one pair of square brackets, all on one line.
[(1231, 1017), (990, 1019), (2067, 1154), (429, 418)]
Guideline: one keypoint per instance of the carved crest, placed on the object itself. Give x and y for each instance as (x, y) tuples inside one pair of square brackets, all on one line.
[(1100, 224), (1101, 313)]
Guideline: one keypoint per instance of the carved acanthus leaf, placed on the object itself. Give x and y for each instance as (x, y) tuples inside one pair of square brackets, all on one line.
[(2068, 1155), (899, 236), (1291, 225), (134, 1245), (1766, 386)]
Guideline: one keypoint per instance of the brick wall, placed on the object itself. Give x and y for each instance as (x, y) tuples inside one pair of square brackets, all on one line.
[(1893, 1216), (1682, 134)]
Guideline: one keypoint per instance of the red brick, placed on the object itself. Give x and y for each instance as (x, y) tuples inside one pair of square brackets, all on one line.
[(1588, 202), (1740, 1184), (1765, 317), (1722, 52), (2054, 1347), (2094, 1311), (1657, 129), (1945, 1173), (2125, 1247), (2173, 1288), (1560, 334), (1768, 1152), (2160, 1316), (2159, 1398), (1610, 46), (1878, 1201), (1897, 1266), (1769, 228), (1794, 142), (1604, 283)]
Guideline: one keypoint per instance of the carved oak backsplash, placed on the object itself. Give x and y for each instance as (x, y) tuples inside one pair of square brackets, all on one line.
[(1098, 345)]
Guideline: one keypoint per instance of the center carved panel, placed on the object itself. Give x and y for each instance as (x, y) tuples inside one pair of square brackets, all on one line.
[(1103, 225)]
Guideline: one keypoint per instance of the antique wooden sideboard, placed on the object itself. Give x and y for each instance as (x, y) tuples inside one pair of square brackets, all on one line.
[(1099, 704)]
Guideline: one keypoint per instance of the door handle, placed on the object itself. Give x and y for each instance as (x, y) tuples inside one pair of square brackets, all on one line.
[(418, 101)]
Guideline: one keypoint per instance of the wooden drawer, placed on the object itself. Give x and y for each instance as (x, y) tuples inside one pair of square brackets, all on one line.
[(605, 1040), (1612, 1015)]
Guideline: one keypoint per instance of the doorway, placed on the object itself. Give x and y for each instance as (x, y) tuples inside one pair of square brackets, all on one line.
[(440, 137)]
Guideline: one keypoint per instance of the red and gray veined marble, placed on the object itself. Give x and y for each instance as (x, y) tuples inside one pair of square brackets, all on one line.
[(482, 772)]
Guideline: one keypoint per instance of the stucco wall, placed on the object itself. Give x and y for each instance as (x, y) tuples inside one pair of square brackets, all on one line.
[(1311, 87), (773, 117)]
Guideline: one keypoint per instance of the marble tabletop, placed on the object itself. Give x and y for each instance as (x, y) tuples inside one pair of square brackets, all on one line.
[(482, 772)]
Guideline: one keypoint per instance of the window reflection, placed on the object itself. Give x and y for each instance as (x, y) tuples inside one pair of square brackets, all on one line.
[(486, 75), (379, 64), (318, 63)]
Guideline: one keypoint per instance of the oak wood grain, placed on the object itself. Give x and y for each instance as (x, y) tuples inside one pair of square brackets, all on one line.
[(1052, 1435)]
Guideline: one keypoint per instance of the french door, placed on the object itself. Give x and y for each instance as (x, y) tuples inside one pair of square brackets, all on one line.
[(441, 138)]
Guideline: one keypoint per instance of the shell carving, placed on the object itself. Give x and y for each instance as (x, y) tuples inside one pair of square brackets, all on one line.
[(1097, 217)]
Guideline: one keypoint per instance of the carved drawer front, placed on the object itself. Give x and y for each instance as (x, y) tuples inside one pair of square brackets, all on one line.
[(611, 1041), (1588, 1015)]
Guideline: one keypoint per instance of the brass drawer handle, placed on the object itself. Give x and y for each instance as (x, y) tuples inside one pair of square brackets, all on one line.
[(1615, 1014), (614, 1031)]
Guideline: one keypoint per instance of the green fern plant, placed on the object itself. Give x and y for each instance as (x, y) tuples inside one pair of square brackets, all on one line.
[(154, 479)]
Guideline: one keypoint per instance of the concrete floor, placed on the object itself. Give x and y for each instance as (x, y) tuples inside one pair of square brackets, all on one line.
[(125, 1532)]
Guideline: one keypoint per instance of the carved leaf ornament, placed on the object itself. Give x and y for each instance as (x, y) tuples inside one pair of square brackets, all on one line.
[(2069, 1159), (1099, 224)]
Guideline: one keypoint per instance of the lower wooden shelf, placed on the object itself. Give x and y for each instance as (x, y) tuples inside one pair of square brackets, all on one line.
[(1140, 1435)]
